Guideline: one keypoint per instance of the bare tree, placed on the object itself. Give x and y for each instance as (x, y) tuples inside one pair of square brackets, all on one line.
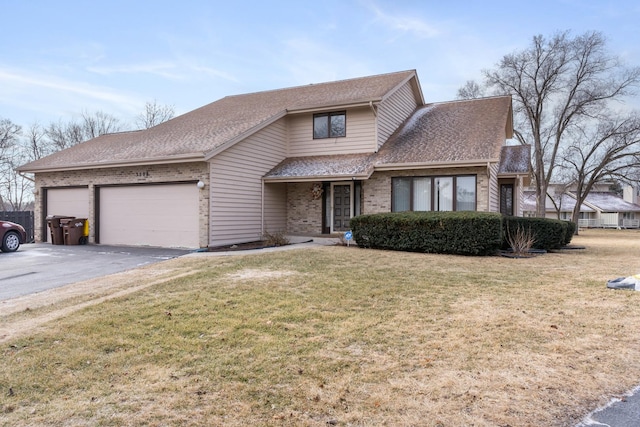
[(15, 189), (471, 90), (154, 114), (557, 195), (9, 136), (36, 144), (607, 149), (67, 134), (558, 85), (9, 133), (98, 123)]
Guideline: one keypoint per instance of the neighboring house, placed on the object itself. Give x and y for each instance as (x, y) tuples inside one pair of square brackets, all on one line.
[(301, 160), (600, 209), (562, 202)]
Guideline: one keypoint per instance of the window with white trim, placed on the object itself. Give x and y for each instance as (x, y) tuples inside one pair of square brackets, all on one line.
[(440, 193)]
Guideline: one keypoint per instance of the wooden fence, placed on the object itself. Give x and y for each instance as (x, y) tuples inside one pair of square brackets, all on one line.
[(24, 218)]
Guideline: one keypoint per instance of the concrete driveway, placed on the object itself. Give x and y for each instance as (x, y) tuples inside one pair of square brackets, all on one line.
[(40, 266)]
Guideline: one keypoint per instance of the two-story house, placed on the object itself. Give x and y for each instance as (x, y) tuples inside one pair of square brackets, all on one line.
[(301, 160)]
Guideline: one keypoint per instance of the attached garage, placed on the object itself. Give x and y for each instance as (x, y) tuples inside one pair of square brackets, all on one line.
[(67, 202), (164, 215)]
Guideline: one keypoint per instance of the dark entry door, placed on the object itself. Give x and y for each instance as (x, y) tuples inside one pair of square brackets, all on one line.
[(341, 207), (506, 199)]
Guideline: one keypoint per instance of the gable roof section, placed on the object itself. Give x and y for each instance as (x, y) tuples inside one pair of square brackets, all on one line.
[(609, 202), (201, 133), (456, 132), (515, 160)]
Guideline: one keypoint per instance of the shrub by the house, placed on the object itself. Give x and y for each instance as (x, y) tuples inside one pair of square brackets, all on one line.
[(463, 233), (547, 233), (570, 232)]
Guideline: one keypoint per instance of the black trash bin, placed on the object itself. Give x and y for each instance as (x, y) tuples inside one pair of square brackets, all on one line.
[(73, 231), (55, 223)]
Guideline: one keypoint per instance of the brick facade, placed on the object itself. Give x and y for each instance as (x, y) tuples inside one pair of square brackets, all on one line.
[(179, 172), (304, 213)]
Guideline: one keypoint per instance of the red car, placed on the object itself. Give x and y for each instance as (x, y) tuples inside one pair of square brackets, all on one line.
[(12, 235)]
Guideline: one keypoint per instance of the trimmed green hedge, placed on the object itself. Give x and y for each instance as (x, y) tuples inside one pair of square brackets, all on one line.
[(548, 233), (570, 232), (462, 233)]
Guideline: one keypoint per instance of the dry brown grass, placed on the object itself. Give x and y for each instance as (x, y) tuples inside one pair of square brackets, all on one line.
[(342, 336)]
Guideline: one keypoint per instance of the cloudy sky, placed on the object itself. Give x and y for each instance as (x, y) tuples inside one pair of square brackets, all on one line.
[(59, 59)]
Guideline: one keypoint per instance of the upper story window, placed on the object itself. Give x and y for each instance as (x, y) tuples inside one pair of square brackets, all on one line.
[(330, 125)]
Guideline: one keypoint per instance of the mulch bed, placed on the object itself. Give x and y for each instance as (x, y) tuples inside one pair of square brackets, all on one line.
[(239, 247)]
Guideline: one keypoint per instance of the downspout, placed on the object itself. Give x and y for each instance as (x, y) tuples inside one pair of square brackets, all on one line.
[(375, 113), (26, 177)]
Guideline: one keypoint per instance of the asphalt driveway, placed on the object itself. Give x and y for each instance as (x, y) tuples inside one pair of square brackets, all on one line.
[(40, 266)]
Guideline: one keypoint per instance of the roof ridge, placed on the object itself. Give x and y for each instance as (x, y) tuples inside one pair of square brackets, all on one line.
[(319, 84), (482, 98)]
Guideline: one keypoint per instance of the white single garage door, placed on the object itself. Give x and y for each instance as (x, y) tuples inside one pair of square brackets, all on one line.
[(150, 215), (67, 202)]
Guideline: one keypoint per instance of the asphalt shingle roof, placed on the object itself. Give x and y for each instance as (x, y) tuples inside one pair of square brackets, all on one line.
[(203, 130), (515, 159), (446, 132), (609, 202), (450, 132), (603, 200), (344, 165), (565, 201)]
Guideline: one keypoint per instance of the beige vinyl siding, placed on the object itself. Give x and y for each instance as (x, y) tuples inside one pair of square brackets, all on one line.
[(236, 187), (275, 208), (494, 190), (393, 111), (360, 135)]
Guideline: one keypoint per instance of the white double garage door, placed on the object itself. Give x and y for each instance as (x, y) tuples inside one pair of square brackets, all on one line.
[(138, 215)]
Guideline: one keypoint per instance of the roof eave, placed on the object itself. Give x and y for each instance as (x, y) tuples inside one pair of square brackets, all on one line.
[(433, 165), (330, 107), (315, 178), (513, 174), (185, 158)]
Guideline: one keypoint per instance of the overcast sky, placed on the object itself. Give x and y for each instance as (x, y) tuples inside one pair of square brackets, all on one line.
[(60, 58)]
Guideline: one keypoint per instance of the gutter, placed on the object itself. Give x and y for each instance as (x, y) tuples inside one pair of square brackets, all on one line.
[(433, 165), (185, 158), (315, 178), (332, 107)]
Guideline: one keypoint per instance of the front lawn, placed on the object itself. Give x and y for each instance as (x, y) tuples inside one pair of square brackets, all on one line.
[(342, 336)]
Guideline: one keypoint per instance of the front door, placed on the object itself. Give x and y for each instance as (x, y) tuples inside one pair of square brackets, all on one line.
[(506, 199), (341, 207)]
